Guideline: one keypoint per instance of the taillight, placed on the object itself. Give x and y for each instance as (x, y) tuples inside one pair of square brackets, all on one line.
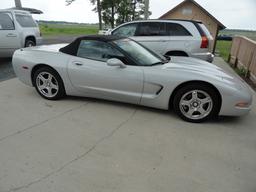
[(205, 42)]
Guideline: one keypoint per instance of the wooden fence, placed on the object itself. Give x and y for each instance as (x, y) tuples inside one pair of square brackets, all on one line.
[(243, 55)]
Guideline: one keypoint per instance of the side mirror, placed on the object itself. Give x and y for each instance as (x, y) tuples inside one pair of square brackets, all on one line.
[(116, 62)]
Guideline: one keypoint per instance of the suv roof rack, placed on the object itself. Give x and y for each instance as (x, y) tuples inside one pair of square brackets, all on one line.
[(188, 20)]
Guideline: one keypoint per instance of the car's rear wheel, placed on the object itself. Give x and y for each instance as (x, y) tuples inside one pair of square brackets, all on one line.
[(196, 103), (48, 83)]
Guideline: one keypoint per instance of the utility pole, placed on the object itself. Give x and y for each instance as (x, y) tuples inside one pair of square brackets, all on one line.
[(146, 9), (18, 4), (133, 4)]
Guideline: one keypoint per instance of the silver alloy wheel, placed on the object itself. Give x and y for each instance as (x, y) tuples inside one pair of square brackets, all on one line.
[(196, 104), (47, 84)]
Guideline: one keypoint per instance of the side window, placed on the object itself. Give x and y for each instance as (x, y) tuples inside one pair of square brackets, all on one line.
[(152, 29), (25, 20), (126, 31), (97, 50), (6, 22), (175, 29)]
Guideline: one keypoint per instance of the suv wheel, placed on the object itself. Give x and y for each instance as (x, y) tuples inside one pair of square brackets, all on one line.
[(30, 43), (177, 53)]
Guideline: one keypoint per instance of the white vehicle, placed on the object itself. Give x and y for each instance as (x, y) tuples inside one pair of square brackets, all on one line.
[(120, 69), (104, 31), (170, 37), (17, 29)]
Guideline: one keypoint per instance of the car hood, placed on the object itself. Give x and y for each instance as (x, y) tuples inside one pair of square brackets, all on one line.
[(201, 68), (198, 66)]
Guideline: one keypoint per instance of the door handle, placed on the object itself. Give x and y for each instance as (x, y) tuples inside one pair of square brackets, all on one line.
[(11, 35), (78, 63)]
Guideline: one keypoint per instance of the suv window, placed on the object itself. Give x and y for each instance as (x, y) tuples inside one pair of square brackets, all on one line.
[(25, 20), (152, 29), (126, 30), (6, 22), (206, 31), (97, 50), (175, 29)]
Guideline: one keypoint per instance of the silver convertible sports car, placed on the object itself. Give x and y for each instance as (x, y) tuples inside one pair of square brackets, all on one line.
[(120, 69)]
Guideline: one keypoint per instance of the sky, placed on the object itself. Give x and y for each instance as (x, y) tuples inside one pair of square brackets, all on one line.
[(234, 14)]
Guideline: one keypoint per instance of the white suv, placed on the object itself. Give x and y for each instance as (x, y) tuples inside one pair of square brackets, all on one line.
[(170, 37), (17, 29)]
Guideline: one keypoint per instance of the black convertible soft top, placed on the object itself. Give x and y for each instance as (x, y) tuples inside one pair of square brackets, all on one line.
[(72, 48)]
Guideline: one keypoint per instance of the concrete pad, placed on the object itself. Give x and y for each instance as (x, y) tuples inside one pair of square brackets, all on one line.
[(21, 108), (80, 144)]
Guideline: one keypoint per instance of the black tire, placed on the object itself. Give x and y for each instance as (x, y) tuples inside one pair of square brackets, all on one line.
[(30, 43), (56, 81), (199, 89), (177, 54)]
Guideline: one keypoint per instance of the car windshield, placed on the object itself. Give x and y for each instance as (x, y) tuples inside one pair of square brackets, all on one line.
[(141, 55)]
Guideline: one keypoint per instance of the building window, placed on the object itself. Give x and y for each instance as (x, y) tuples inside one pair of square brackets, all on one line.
[(187, 11)]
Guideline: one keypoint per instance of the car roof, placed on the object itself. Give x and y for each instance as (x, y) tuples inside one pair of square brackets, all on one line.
[(72, 47), (105, 38), (14, 11)]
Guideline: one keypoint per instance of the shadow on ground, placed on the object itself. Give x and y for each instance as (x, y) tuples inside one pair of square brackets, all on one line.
[(6, 70), (170, 112)]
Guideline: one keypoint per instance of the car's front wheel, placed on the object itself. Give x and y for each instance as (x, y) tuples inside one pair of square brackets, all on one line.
[(48, 83), (196, 102)]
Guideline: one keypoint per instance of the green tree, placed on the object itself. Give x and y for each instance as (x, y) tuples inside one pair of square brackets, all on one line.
[(96, 9), (139, 10), (109, 11), (116, 12), (130, 10), (125, 11)]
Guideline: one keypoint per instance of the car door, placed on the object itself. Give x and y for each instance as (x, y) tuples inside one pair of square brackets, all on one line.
[(153, 35), (9, 39), (90, 74)]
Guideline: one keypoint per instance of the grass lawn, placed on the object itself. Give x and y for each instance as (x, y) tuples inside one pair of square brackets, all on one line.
[(61, 29), (224, 48)]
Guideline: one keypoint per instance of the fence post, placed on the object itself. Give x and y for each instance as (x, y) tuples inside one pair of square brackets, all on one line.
[(250, 63), (237, 52)]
